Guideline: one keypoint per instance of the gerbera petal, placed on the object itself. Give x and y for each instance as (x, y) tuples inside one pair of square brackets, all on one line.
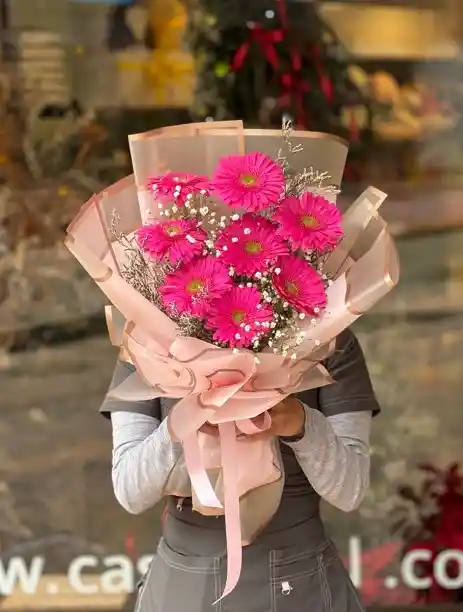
[(252, 182), (299, 284), (251, 244), (310, 223), (192, 287), (240, 318), (173, 239), (178, 187)]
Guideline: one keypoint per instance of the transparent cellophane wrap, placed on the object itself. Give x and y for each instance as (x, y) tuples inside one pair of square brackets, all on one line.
[(218, 385)]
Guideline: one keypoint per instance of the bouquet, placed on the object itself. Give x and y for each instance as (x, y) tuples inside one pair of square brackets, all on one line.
[(231, 272), (431, 519)]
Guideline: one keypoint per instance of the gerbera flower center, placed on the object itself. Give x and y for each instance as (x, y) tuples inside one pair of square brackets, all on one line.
[(238, 316), (253, 247), (248, 180), (173, 230), (292, 287), (195, 286), (309, 221)]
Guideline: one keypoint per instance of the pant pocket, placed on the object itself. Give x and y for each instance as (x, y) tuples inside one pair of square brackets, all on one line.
[(298, 582), (339, 593), (175, 582)]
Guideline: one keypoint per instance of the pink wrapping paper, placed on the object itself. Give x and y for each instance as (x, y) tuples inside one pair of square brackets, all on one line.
[(233, 389)]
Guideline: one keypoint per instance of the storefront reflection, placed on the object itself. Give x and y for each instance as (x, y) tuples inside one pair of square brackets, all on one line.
[(75, 79)]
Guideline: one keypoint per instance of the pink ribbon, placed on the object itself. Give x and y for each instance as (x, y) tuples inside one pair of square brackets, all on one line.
[(232, 505), (182, 427)]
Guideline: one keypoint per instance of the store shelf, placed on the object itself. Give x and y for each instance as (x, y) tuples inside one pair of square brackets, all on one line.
[(374, 31)]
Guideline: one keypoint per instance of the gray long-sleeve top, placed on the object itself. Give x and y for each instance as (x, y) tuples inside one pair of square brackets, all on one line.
[(334, 455)]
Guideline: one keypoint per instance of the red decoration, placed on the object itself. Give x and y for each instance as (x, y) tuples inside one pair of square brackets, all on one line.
[(377, 563), (296, 60), (325, 82), (289, 66), (442, 529), (266, 39)]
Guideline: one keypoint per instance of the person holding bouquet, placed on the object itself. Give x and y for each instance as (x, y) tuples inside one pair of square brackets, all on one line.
[(292, 565), (241, 394)]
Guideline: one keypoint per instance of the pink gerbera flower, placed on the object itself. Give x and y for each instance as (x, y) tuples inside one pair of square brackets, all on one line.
[(310, 222), (173, 239), (193, 286), (178, 187), (253, 181), (250, 244), (240, 317), (299, 284)]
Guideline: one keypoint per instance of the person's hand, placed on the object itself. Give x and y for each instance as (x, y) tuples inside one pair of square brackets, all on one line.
[(288, 419)]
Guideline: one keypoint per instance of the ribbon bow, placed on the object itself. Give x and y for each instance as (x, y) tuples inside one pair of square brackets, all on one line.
[(266, 39)]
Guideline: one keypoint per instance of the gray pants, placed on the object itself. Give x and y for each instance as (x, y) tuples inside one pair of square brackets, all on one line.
[(294, 579)]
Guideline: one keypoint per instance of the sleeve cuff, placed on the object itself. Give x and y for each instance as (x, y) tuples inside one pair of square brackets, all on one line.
[(294, 440)]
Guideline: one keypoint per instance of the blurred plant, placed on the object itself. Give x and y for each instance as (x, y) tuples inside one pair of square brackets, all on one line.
[(259, 60), (430, 518)]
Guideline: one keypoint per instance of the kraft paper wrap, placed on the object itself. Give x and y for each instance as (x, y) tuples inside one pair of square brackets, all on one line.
[(233, 474), (198, 147)]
